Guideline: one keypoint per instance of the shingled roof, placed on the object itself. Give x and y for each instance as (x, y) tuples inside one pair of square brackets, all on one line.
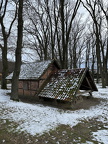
[(33, 70), (65, 84)]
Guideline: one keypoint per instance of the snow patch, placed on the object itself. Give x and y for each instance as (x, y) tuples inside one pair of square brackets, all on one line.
[(101, 136), (37, 119)]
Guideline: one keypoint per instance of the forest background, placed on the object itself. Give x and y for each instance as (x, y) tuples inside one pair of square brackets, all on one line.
[(75, 32)]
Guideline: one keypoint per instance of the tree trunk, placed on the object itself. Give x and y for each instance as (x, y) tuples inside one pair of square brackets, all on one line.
[(74, 55), (4, 59), (14, 89), (101, 68), (106, 63), (97, 73), (4, 35), (93, 62), (63, 33), (5, 66)]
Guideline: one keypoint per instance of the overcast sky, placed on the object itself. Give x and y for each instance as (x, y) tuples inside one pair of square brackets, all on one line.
[(30, 54)]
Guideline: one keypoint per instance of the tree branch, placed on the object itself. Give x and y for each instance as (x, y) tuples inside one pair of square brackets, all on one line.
[(12, 21), (5, 6), (1, 4)]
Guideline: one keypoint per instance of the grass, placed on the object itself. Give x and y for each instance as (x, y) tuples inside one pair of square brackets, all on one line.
[(63, 134), (9, 135)]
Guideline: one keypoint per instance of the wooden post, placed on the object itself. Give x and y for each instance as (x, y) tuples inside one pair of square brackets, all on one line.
[(90, 87)]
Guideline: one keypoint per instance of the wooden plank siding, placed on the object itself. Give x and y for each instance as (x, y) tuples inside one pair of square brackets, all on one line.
[(31, 87)]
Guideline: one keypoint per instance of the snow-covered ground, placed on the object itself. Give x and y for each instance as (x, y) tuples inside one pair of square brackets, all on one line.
[(37, 119)]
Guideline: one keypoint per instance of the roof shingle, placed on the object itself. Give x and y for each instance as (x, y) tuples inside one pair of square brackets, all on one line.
[(64, 84), (32, 70)]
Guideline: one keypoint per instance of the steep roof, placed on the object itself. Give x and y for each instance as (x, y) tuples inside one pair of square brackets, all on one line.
[(34, 70), (65, 84)]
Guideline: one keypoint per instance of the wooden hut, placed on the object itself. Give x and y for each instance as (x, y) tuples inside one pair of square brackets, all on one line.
[(67, 85), (33, 77), (45, 80)]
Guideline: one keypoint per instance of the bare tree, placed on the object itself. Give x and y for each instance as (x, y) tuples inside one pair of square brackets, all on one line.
[(92, 6), (15, 78), (38, 29), (66, 26), (104, 7), (53, 30), (76, 41), (5, 35)]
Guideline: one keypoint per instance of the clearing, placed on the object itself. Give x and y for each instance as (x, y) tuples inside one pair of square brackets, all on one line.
[(86, 123)]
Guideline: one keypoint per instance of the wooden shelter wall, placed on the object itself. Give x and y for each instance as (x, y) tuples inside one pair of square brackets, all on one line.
[(28, 87), (52, 69)]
